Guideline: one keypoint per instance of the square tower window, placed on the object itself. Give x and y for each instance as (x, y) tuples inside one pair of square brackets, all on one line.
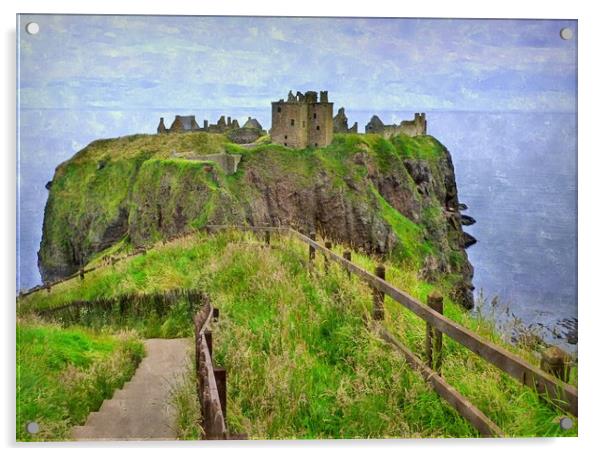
[(315, 115), (292, 122), (317, 127), (285, 137), (279, 109)]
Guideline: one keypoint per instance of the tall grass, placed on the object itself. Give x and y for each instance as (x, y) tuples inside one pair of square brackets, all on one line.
[(301, 361), (184, 400), (63, 375)]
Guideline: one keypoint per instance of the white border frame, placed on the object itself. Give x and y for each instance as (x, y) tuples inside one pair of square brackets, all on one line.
[(590, 77)]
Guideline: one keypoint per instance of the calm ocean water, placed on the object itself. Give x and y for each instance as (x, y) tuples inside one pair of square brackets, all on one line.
[(515, 171)]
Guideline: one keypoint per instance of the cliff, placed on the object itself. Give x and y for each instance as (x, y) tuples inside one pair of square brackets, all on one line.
[(394, 197)]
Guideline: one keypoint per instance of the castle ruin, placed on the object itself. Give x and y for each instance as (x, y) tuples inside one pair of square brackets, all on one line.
[(248, 133), (302, 121), (340, 124), (416, 127)]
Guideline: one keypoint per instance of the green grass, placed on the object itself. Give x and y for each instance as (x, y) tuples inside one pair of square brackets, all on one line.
[(413, 246), (184, 400), (301, 362), (64, 374), (418, 147)]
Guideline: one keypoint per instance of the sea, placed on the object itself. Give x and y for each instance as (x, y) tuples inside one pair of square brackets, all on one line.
[(515, 171)]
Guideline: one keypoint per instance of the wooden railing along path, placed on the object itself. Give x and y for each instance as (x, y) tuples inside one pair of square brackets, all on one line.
[(211, 381), (556, 391)]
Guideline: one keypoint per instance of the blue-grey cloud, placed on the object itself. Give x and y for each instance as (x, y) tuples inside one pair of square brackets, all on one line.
[(124, 62)]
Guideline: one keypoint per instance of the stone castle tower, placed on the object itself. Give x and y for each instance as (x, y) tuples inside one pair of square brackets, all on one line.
[(302, 121)]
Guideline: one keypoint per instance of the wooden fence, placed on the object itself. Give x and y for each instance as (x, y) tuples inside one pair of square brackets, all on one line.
[(211, 381), (553, 389), (108, 261)]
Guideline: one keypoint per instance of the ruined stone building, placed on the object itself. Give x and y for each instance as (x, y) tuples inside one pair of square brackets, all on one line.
[(340, 124), (302, 120), (416, 127), (249, 132)]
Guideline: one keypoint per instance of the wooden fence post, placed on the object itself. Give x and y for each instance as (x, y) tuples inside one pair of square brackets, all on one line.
[(347, 256), (328, 245), (81, 274), (267, 238), (209, 339), (378, 297), (555, 362), (434, 338), (220, 381), (312, 249), (197, 350)]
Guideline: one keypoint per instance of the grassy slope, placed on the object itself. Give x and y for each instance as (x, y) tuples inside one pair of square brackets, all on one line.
[(301, 363), (63, 374)]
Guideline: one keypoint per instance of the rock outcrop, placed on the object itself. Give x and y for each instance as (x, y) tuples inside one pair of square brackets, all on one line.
[(373, 194)]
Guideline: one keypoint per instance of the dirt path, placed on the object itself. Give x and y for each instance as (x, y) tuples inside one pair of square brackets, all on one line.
[(141, 410)]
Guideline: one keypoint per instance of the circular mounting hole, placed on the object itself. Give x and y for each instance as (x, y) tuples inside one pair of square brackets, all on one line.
[(33, 427), (566, 423), (32, 28), (566, 33)]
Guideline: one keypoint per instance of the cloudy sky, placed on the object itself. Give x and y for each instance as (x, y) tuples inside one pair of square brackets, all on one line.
[(122, 63)]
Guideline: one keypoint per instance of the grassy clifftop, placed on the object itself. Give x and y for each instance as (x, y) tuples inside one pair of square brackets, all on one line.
[(383, 196)]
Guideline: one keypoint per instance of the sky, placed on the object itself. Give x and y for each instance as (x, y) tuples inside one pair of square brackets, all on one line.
[(123, 63)]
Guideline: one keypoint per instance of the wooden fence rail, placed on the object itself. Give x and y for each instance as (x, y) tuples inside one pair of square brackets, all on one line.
[(211, 392), (478, 419), (556, 391), (108, 261)]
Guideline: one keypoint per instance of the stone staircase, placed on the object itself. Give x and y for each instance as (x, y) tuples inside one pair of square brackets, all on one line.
[(141, 410)]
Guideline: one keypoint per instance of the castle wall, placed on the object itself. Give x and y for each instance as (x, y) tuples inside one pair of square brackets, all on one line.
[(244, 135), (290, 124), (416, 127), (320, 121)]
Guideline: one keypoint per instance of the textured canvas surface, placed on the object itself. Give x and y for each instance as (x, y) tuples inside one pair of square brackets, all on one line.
[(443, 149)]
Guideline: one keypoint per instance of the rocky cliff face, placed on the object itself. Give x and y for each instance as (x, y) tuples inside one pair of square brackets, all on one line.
[(393, 197)]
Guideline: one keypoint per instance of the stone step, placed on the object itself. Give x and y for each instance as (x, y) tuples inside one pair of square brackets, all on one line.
[(141, 409)]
